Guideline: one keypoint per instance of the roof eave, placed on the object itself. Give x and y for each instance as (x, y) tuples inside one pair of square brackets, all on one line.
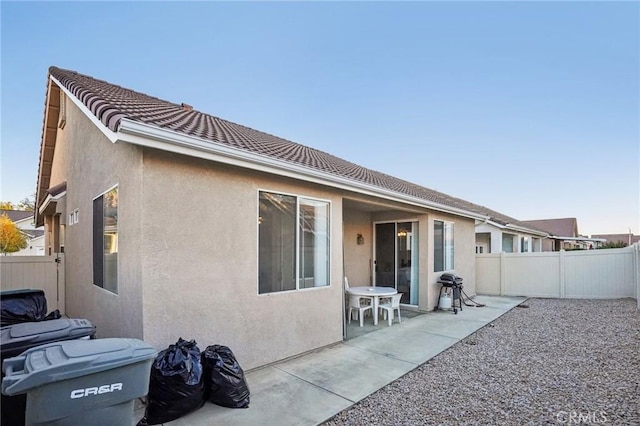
[(518, 228), (151, 136), (527, 230)]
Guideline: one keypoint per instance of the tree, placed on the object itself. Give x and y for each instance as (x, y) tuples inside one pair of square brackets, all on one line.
[(610, 244), (6, 205), (11, 238), (27, 203)]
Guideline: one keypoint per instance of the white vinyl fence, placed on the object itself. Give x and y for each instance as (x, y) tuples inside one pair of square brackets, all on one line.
[(585, 274), (35, 272)]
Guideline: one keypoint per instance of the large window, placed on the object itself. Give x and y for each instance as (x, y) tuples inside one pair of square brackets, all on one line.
[(293, 250), (105, 241), (443, 246)]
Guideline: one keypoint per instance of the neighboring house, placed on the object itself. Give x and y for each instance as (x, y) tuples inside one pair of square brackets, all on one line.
[(257, 262), (627, 239), (502, 233), (35, 236), (563, 234)]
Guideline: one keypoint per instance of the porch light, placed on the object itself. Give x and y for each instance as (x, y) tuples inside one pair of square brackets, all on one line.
[(360, 239), (402, 233)]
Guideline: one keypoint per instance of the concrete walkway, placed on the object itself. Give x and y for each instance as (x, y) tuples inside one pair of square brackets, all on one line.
[(314, 387)]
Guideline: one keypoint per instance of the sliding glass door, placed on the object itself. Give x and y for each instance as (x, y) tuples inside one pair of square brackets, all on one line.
[(396, 258)]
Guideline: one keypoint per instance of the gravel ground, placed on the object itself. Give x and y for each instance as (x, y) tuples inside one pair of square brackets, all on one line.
[(555, 362)]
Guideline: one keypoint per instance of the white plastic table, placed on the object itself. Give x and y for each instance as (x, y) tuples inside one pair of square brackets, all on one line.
[(375, 293)]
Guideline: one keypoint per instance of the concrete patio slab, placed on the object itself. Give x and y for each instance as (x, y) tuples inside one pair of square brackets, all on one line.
[(314, 387), (414, 346), (276, 398), (347, 371)]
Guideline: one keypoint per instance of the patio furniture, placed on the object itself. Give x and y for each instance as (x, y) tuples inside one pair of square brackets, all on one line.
[(388, 308), (375, 293), (366, 300), (356, 304)]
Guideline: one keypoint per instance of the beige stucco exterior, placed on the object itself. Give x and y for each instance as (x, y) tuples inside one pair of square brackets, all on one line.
[(91, 164), (188, 258)]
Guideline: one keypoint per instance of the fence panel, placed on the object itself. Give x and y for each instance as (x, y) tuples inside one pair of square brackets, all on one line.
[(600, 274), (35, 272), (532, 274), (590, 274), (488, 274)]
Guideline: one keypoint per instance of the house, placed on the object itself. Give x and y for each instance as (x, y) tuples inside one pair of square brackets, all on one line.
[(259, 263), (501, 233), (627, 239), (563, 234), (23, 220)]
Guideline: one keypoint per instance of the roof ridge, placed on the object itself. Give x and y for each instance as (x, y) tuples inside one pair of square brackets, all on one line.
[(110, 103)]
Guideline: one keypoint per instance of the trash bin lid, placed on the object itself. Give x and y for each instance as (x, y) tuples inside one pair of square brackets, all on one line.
[(65, 360), (15, 339)]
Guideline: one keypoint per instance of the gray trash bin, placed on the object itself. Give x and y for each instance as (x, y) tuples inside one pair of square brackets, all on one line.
[(81, 382), (17, 338)]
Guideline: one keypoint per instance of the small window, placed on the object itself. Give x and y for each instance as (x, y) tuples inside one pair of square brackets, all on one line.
[(293, 243), (443, 251), (73, 217), (105, 241)]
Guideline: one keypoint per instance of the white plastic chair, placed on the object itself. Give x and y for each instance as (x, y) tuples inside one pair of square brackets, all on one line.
[(365, 299), (388, 308), (356, 304)]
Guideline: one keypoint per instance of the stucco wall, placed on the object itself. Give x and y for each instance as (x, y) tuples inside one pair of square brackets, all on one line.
[(464, 255), (358, 258), (91, 164), (200, 233)]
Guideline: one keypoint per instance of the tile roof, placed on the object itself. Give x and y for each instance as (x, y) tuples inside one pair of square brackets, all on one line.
[(614, 238), (563, 227), (111, 103), (17, 215)]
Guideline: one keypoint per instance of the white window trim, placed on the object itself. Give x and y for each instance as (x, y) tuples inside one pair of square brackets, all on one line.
[(74, 217), (297, 271), (444, 251), (104, 290)]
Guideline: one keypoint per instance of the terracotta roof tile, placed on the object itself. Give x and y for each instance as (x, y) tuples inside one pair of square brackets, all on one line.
[(110, 103)]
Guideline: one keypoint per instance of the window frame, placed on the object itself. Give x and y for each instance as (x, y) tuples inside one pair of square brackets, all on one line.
[(445, 223), (297, 197), (93, 242)]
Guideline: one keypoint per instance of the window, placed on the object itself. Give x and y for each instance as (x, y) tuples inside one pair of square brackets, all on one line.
[(105, 241), (507, 243), (73, 217), (524, 244), (293, 246), (443, 246)]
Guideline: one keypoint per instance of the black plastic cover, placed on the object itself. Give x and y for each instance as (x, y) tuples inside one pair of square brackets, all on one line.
[(26, 305), (224, 379), (176, 385)]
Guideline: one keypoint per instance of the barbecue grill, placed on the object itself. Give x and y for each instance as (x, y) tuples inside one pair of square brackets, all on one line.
[(453, 282)]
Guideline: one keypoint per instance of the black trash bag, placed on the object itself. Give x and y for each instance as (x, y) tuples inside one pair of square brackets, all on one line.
[(176, 385), (23, 306), (224, 379)]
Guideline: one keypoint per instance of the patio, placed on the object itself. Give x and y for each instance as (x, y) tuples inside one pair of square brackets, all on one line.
[(354, 330), (312, 388)]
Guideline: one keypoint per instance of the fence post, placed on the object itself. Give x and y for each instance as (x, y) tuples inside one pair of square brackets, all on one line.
[(636, 270), (562, 281), (503, 275)]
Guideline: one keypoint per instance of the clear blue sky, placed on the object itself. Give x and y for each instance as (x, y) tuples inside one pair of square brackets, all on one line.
[(531, 109)]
